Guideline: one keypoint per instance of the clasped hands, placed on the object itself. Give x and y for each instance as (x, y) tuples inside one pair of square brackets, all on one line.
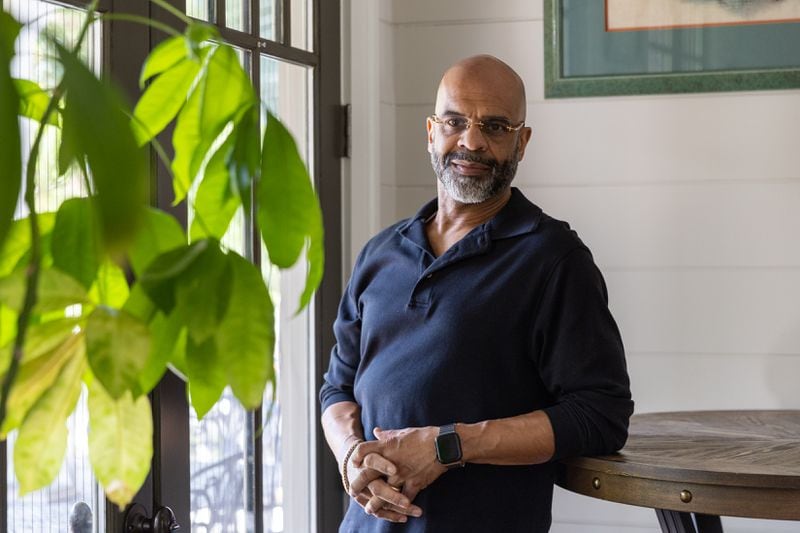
[(387, 474)]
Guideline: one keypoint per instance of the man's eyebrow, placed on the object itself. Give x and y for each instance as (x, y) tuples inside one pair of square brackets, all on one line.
[(451, 113)]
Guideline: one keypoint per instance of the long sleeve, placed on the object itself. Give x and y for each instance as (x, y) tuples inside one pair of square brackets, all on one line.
[(582, 360), (345, 356)]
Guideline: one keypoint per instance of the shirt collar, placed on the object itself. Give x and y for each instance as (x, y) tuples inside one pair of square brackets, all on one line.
[(518, 216)]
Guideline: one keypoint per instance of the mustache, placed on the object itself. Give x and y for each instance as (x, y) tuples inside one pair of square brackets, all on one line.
[(471, 157)]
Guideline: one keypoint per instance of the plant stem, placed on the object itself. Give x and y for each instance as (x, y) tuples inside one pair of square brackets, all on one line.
[(34, 267), (169, 7), (141, 20)]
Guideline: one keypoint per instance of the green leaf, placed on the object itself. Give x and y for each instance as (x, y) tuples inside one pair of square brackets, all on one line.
[(42, 440), (288, 214), (75, 245), (177, 362), (163, 57), (139, 304), (9, 29), (224, 75), (96, 120), (206, 374), (34, 378), (110, 287), (33, 101), (315, 258), (68, 150), (117, 346), (158, 280), (10, 155), (8, 331), (286, 198), (197, 33), (41, 339), (18, 242), (215, 202), (245, 163), (246, 336), (160, 233), (163, 99), (206, 115), (165, 332), (185, 139), (56, 291), (202, 293), (120, 442)]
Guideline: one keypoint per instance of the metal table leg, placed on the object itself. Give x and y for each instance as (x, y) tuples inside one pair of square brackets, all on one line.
[(678, 522)]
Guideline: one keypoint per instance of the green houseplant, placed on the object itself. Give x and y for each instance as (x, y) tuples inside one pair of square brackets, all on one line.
[(108, 293)]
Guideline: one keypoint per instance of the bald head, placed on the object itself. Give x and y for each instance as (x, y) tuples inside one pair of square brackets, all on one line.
[(482, 79)]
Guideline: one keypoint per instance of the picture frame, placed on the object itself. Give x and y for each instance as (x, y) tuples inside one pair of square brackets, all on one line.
[(582, 58)]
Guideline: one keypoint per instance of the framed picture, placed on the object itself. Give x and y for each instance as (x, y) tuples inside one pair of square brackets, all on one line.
[(613, 47)]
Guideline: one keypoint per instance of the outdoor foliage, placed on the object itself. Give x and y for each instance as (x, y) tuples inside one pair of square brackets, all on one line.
[(109, 292)]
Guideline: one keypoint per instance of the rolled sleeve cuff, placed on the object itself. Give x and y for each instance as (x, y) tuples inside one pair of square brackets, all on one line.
[(566, 430), (331, 396)]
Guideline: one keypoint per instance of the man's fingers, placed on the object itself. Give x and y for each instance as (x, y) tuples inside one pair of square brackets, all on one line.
[(386, 513), (362, 478), (380, 463), (362, 450), (375, 507), (392, 497), (383, 434)]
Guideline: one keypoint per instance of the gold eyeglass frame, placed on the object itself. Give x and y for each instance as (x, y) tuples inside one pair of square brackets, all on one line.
[(479, 123)]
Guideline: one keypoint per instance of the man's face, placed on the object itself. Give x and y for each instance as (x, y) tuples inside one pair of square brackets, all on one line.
[(474, 163)]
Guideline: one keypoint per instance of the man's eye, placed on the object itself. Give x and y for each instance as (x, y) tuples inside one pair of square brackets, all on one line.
[(494, 127), (455, 122)]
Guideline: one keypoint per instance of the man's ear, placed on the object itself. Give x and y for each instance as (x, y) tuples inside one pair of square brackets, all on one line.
[(524, 136), (429, 128)]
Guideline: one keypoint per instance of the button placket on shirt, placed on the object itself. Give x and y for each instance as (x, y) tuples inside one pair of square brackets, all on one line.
[(422, 294)]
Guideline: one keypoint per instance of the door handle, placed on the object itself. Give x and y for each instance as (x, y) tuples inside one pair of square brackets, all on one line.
[(162, 521)]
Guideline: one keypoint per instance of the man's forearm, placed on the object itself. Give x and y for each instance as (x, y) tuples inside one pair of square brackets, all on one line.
[(341, 423), (518, 440)]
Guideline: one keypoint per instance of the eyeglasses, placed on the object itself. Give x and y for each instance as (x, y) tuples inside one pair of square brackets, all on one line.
[(495, 129)]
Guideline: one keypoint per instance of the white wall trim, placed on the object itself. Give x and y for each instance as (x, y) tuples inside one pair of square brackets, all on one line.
[(362, 181)]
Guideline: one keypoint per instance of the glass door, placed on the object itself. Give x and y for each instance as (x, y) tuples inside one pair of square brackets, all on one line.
[(232, 471)]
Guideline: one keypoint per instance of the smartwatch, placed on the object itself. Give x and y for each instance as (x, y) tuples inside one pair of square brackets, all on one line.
[(448, 447)]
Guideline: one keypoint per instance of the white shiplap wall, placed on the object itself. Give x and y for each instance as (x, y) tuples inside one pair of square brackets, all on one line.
[(690, 204)]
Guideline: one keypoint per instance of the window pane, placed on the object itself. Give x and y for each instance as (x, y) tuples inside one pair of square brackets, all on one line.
[(34, 62), (287, 454), (301, 24), (52, 508), (270, 16), (237, 14), (202, 9)]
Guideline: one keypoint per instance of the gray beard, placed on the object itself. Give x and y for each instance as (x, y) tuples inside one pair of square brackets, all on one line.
[(474, 189)]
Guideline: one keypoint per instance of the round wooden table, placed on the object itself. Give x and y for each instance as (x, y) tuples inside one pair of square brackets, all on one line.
[(692, 467)]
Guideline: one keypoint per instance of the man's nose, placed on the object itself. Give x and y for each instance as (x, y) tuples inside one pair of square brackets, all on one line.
[(472, 139)]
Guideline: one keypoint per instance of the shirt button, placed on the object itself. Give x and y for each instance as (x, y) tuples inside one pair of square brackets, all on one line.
[(429, 276)]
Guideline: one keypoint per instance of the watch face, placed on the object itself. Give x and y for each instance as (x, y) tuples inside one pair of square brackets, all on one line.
[(448, 448)]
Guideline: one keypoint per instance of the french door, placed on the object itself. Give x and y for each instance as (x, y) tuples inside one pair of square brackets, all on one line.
[(233, 471)]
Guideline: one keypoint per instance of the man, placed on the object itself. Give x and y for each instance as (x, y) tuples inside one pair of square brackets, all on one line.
[(475, 334)]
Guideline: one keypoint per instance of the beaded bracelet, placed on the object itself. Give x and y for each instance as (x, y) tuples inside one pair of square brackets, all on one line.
[(345, 481)]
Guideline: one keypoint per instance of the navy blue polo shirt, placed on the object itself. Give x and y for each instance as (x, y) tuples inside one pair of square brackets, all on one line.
[(511, 319)]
